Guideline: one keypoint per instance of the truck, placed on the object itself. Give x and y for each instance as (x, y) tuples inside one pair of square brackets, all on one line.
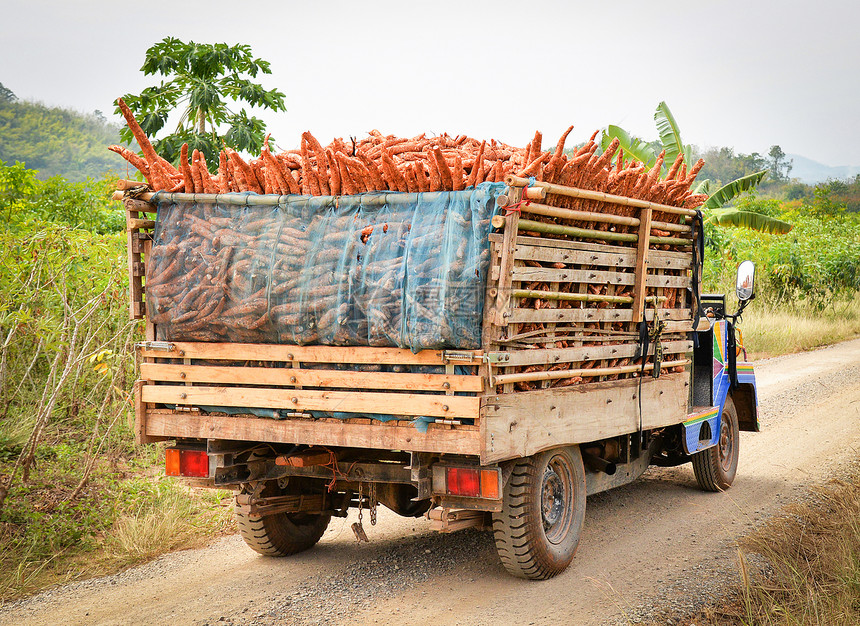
[(549, 363)]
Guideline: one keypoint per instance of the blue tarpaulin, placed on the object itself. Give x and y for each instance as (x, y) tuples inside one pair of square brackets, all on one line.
[(375, 269)]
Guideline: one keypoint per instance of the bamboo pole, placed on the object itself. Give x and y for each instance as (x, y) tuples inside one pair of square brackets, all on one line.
[(123, 184), (589, 216), (576, 297), (136, 223), (535, 193), (376, 198), (573, 192), (584, 233), (677, 228), (570, 214), (523, 377)]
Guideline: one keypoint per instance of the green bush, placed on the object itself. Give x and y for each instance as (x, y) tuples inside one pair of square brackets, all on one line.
[(816, 265), (27, 202)]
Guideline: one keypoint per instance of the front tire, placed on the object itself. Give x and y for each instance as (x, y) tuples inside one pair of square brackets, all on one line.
[(716, 467), (537, 531), (281, 534)]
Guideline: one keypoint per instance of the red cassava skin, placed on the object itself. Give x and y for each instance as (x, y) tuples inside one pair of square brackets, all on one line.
[(388, 163)]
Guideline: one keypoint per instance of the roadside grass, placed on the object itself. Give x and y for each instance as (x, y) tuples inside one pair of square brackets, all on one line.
[(125, 515), (770, 331), (803, 566)]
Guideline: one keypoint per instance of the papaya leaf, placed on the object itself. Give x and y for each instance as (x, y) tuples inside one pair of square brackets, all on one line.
[(724, 194), (633, 147), (748, 219)]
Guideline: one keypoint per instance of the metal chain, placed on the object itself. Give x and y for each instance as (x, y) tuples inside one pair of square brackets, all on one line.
[(373, 504), (360, 500)]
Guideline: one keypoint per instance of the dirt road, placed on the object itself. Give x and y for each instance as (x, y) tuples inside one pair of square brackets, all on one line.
[(655, 544)]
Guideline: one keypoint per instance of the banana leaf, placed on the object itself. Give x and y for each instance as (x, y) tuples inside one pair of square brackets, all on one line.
[(748, 219), (703, 186), (724, 194), (670, 136), (633, 147)]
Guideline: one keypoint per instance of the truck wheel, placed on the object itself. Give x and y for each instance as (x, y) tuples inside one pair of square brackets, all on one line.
[(281, 534), (543, 509), (716, 467)]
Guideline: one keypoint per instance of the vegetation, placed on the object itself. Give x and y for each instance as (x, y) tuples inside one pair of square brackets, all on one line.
[(55, 141), (79, 498), (199, 80), (815, 267), (806, 567), (671, 145), (71, 480)]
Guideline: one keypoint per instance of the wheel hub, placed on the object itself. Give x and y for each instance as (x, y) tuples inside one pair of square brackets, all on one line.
[(726, 445), (552, 498), (556, 497)]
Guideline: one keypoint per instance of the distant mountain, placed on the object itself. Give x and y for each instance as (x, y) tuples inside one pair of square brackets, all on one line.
[(58, 141), (812, 172)]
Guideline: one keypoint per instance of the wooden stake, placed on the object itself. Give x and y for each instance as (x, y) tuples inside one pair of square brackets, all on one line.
[(641, 271)]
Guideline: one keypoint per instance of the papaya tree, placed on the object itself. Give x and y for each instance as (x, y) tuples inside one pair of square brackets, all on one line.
[(202, 83), (714, 207)]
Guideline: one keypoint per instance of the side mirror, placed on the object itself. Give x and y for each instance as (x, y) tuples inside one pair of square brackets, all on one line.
[(746, 281)]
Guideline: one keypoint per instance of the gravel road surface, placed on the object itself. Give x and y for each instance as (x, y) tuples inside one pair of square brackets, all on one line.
[(656, 547)]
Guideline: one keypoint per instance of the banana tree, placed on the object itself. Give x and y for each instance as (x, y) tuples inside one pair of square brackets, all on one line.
[(714, 208)]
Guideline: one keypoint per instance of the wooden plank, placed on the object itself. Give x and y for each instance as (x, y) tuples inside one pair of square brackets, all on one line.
[(642, 250), (297, 377), (679, 327), (168, 424), (549, 274), (595, 247), (314, 400), (547, 254), (521, 424), (309, 354), (553, 356), (545, 316), (600, 277)]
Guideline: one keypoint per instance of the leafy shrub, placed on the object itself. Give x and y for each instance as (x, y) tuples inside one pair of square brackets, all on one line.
[(817, 264), (26, 202)]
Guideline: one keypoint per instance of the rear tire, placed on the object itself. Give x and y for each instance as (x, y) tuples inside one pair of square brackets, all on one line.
[(281, 534), (537, 531), (716, 467)]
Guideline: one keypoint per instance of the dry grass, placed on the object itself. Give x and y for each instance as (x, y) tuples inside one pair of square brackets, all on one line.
[(807, 565), (180, 518), (774, 331), (156, 516)]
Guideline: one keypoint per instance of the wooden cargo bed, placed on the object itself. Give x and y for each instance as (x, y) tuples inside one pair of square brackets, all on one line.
[(560, 361)]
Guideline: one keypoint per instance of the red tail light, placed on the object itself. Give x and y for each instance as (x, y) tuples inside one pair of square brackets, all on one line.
[(191, 463), (464, 482)]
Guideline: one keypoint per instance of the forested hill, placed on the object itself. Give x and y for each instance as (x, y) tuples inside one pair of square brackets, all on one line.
[(57, 141)]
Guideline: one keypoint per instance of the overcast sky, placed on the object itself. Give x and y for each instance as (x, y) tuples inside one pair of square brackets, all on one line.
[(746, 74)]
